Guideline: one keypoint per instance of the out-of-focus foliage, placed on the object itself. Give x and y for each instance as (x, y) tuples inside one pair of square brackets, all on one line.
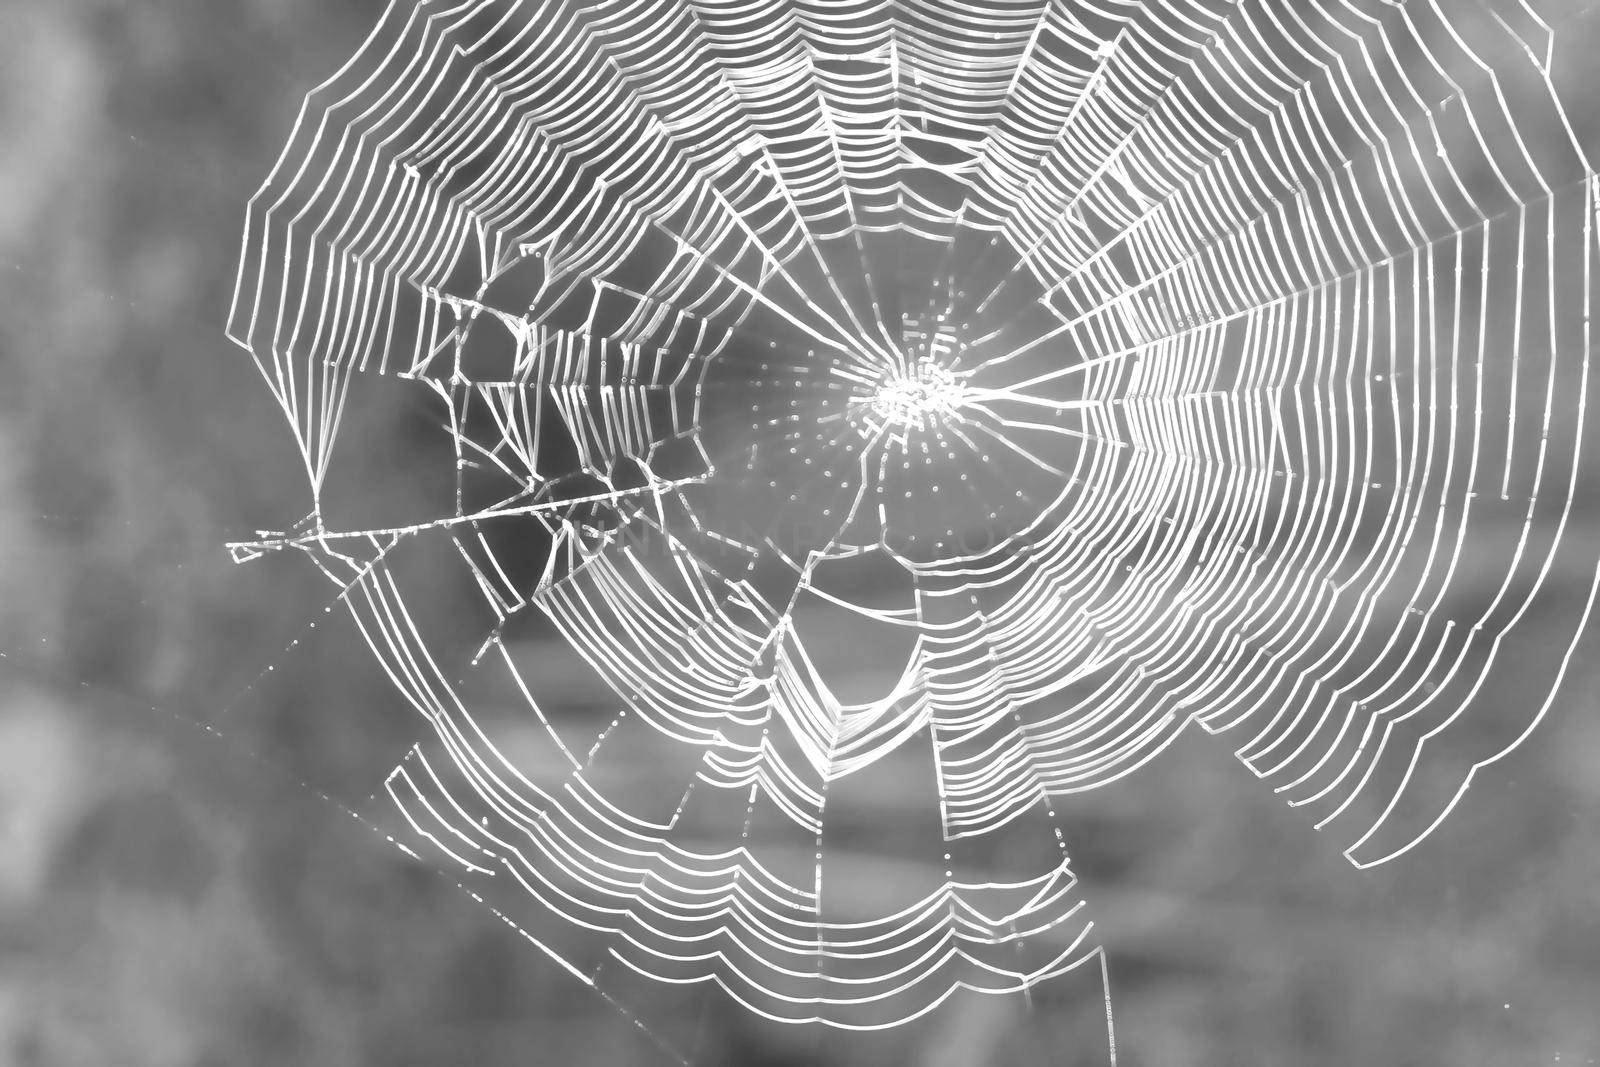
[(174, 896)]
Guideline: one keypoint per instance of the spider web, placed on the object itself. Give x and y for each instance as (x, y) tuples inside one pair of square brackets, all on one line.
[(1096, 370)]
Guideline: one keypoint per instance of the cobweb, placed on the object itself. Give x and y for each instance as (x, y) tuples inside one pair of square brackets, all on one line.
[(947, 402)]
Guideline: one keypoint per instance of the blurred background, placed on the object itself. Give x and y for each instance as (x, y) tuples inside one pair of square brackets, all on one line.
[(180, 879)]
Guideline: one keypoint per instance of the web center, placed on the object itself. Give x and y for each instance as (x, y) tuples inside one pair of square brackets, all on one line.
[(916, 395)]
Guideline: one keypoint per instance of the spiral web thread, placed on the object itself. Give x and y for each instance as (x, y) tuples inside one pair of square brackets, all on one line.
[(1178, 363)]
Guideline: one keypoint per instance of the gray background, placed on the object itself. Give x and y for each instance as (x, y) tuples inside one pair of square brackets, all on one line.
[(179, 880)]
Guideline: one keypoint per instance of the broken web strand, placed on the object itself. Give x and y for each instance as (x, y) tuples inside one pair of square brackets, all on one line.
[(240, 752), (1212, 269)]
